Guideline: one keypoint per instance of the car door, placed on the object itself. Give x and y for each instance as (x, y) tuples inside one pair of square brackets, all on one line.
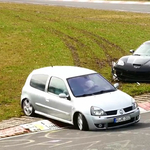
[(58, 107), (37, 92)]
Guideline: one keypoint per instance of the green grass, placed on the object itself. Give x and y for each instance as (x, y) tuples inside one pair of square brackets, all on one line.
[(34, 36)]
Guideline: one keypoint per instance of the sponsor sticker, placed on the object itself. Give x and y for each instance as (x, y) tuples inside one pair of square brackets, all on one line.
[(40, 126)]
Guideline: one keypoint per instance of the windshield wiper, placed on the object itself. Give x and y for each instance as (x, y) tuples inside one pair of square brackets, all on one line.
[(103, 91), (136, 54), (84, 95), (99, 92), (95, 93)]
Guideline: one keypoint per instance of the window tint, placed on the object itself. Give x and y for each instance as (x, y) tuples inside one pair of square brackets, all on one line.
[(38, 81), (89, 85), (57, 86), (143, 49)]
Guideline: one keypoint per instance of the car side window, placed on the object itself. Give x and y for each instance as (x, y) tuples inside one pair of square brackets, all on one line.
[(38, 81), (57, 86)]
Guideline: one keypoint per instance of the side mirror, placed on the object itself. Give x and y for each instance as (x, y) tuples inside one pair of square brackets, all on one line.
[(116, 85), (132, 51), (63, 95)]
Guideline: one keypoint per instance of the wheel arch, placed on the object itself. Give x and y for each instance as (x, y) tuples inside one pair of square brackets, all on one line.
[(22, 100), (75, 118)]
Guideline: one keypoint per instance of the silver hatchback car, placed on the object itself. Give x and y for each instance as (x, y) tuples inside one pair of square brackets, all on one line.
[(78, 96)]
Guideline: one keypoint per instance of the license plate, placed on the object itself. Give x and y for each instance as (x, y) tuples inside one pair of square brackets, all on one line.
[(121, 119)]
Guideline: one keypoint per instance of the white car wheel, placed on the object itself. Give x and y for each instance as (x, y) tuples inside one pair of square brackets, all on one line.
[(28, 108), (81, 122)]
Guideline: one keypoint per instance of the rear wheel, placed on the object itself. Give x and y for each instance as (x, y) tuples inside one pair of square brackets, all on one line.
[(28, 108), (81, 122)]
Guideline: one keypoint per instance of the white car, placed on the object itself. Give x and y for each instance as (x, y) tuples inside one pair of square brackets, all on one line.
[(78, 96)]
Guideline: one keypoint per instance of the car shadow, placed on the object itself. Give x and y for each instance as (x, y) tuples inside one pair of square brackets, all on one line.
[(57, 123), (139, 125)]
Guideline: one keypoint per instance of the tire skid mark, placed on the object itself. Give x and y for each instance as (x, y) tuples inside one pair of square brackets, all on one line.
[(105, 45), (68, 40), (73, 44)]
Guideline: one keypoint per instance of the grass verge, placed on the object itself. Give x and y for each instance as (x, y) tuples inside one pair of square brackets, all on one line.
[(34, 36)]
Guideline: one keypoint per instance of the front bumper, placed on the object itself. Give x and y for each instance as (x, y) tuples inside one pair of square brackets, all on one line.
[(130, 75), (108, 122)]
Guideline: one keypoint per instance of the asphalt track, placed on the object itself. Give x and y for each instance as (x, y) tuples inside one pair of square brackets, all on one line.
[(135, 137), (129, 6)]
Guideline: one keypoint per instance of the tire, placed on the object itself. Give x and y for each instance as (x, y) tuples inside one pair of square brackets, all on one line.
[(27, 108), (82, 123)]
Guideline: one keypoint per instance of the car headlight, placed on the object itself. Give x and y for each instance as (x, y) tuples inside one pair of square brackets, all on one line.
[(134, 105), (113, 64), (96, 111), (120, 62)]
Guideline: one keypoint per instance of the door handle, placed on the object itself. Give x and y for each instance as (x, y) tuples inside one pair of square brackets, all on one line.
[(47, 100)]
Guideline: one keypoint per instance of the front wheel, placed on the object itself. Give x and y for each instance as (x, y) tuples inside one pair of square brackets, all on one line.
[(81, 122), (27, 108)]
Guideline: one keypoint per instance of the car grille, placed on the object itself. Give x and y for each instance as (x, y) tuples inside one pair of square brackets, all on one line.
[(114, 112), (128, 109)]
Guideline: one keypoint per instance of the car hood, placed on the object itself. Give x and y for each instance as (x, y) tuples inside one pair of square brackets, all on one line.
[(107, 101), (140, 60)]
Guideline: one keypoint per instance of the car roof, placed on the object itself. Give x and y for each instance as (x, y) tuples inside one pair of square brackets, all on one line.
[(64, 71), (147, 42)]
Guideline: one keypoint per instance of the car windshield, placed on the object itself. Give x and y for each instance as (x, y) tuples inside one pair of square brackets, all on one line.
[(143, 50), (91, 84)]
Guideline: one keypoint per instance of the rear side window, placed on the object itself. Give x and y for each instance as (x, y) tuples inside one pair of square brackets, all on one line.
[(38, 81)]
